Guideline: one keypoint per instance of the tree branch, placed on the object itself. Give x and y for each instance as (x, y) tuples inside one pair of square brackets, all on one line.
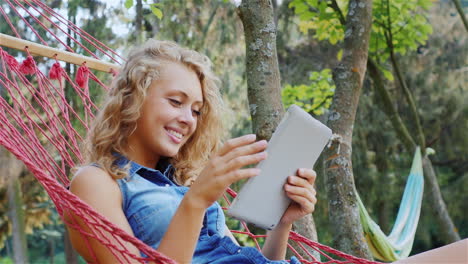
[(461, 13), (334, 6), (388, 107), (404, 86)]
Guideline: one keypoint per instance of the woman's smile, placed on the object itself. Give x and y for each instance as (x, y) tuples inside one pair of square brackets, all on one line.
[(174, 135)]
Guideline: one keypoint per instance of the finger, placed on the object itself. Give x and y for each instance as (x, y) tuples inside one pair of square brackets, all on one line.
[(236, 142), (246, 150), (308, 193), (240, 174), (308, 174), (300, 182), (243, 161), (306, 205)]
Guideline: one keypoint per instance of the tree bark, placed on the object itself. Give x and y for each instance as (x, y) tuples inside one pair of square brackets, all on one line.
[(348, 77), (461, 13), (16, 214), (384, 190), (139, 21), (447, 230), (263, 79), (12, 169)]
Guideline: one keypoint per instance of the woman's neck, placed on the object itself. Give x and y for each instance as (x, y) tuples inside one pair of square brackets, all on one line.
[(149, 161)]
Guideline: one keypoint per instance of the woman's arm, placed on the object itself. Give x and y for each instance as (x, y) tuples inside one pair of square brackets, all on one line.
[(300, 188), (224, 168), (95, 187), (276, 242)]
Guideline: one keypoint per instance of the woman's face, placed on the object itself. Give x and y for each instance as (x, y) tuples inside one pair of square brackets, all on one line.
[(169, 115)]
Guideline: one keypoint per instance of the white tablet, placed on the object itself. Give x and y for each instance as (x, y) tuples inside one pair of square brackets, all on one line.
[(296, 143)]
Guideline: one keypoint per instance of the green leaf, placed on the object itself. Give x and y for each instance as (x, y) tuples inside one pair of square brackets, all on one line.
[(156, 11), (323, 6), (128, 4), (313, 3), (294, 3), (339, 55), (388, 75)]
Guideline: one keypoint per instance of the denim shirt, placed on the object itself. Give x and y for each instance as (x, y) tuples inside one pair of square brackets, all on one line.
[(150, 200)]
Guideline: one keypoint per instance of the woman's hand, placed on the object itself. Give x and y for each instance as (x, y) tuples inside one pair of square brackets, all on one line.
[(225, 168), (300, 188)]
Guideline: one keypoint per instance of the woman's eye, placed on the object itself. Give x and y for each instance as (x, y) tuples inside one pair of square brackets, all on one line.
[(197, 113), (175, 102)]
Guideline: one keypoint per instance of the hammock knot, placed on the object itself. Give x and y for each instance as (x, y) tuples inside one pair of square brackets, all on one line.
[(56, 72), (28, 66), (82, 76)]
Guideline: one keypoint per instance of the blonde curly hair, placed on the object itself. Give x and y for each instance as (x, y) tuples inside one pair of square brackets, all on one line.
[(118, 117)]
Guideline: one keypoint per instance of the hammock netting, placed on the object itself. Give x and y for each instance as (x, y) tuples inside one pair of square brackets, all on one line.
[(43, 128)]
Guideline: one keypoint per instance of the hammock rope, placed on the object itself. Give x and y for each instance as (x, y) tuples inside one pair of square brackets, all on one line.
[(41, 128)]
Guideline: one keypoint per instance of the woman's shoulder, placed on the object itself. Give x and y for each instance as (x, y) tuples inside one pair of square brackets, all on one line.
[(91, 181)]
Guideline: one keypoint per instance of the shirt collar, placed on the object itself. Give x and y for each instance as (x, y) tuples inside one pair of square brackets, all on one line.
[(164, 166)]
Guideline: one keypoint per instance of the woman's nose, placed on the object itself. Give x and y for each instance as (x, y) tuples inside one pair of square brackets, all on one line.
[(187, 116)]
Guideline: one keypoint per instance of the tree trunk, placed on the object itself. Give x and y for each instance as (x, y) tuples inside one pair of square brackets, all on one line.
[(447, 230), (263, 79), (139, 21), (384, 190), (16, 214), (51, 250), (11, 168), (348, 77)]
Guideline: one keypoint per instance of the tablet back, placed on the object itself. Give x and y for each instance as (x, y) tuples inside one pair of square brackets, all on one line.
[(297, 143)]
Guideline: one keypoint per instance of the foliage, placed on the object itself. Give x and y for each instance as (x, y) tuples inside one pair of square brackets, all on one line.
[(319, 16), (36, 206), (6, 260), (154, 7), (402, 24), (315, 97)]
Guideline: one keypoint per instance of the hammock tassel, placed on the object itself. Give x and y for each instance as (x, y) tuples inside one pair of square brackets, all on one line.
[(28, 66), (10, 60), (56, 72), (82, 76)]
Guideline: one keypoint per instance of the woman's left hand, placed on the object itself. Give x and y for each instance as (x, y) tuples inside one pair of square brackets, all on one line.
[(300, 189)]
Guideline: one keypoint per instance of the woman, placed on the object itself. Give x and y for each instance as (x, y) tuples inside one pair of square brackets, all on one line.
[(156, 170)]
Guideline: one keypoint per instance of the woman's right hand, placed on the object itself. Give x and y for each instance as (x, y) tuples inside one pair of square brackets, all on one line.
[(225, 168)]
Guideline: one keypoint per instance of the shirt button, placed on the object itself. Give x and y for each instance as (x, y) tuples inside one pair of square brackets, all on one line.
[(167, 185), (238, 251)]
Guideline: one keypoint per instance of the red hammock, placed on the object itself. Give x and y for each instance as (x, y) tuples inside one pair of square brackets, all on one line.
[(40, 127)]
